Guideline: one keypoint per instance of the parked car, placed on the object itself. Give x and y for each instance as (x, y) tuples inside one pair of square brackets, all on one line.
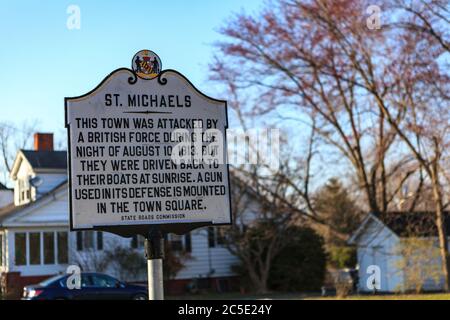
[(94, 286), (340, 280)]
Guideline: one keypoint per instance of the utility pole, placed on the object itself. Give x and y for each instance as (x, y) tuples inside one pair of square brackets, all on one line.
[(154, 252)]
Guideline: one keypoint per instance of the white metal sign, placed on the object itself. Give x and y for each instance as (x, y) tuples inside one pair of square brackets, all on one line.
[(147, 148)]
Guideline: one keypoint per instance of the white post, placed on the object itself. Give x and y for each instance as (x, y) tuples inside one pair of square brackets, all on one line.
[(154, 251), (155, 279)]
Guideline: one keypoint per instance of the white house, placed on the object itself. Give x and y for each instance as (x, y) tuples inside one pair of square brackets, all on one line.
[(35, 241), (397, 252)]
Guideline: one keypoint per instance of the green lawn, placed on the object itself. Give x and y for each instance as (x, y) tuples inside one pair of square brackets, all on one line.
[(302, 296), (428, 296), (239, 296)]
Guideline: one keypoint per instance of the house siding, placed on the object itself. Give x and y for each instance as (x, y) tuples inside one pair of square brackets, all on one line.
[(201, 263), (206, 261), (51, 213), (379, 246)]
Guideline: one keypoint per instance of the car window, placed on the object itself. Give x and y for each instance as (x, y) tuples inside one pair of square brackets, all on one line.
[(86, 281), (63, 282), (104, 281), (51, 281)]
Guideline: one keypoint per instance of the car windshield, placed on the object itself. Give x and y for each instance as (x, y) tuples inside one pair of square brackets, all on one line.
[(50, 280)]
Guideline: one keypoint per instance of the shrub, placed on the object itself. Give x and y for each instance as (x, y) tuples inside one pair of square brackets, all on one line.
[(174, 261), (341, 257), (301, 264), (129, 264)]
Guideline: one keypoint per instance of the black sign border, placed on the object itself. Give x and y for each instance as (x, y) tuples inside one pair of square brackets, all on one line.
[(143, 229)]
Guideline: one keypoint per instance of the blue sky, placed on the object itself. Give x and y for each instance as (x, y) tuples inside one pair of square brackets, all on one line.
[(42, 61)]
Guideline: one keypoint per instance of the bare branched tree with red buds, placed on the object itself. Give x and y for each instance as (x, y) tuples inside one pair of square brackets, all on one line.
[(379, 97)]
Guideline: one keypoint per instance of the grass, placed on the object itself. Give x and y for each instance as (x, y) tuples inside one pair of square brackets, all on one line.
[(303, 296), (425, 296), (240, 296)]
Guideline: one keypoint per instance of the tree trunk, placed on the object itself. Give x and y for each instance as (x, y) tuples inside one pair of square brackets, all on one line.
[(443, 243), (261, 286), (440, 218), (259, 283)]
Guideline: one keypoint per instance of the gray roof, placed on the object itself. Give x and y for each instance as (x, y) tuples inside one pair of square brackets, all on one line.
[(46, 159), (414, 224), (10, 209)]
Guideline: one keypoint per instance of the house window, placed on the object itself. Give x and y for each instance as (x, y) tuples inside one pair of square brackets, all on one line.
[(49, 247), (34, 243), (24, 190), (41, 248), (216, 237), (20, 245), (176, 242), (179, 243), (86, 240), (137, 242), (62, 244), (21, 191)]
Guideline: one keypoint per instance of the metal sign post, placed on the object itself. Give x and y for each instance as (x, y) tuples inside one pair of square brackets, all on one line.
[(154, 252)]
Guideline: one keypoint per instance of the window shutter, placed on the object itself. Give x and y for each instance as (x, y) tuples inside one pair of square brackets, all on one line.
[(99, 240), (211, 240), (79, 241), (134, 243), (63, 248), (188, 242)]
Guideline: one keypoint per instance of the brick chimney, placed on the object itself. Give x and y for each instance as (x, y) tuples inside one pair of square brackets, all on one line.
[(43, 141)]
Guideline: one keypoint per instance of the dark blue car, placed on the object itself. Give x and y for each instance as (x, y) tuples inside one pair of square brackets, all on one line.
[(94, 286)]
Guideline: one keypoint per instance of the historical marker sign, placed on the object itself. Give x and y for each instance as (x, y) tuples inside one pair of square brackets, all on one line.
[(147, 148)]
